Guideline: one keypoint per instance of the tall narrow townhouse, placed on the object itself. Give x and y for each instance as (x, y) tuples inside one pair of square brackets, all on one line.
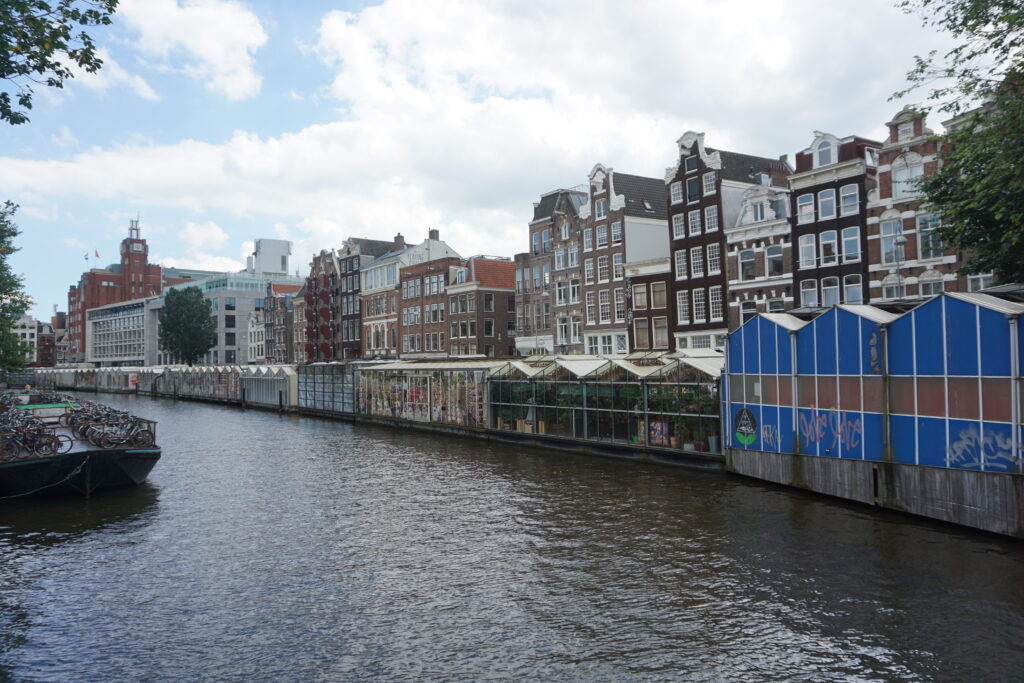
[(534, 299), (906, 258), (561, 208), (828, 204), (422, 301), (381, 290), (705, 193), (759, 255), (482, 307), (624, 219)]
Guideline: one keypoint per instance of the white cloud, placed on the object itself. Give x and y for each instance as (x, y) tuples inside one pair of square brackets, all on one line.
[(463, 129), (200, 236), (218, 37), (112, 74), (64, 137), (74, 243)]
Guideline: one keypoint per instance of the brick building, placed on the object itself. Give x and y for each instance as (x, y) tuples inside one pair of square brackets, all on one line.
[(278, 304), (482, 308), (422, 301), (332, 299), (651, 304), (828, 200), (705, 194), (561, 210)]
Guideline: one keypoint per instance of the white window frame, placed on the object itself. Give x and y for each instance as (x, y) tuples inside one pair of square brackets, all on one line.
[(588, 239), (808, 246), (804, 299), (616, 232), (699, 306), (714, 258), (680, 262), (715, 303), (676, 192), (849, 208), (851, 235), (618, 266), (827, 204), (682, 307), (679, 226), (805, 209), (693, 222), (830, 283), (849, 282), (708, 183), (710, 219), (697, 262), (825, 239), (746, 256), (889, 230), (769, 256)]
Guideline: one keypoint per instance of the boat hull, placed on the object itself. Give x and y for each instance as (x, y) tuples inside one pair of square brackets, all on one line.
[(77, 473)]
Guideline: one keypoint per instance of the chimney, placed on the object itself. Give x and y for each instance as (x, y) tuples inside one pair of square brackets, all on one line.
[(434, 234), (399, 242)]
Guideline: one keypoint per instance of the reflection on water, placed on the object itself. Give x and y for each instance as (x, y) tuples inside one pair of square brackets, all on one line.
[(295, 548)]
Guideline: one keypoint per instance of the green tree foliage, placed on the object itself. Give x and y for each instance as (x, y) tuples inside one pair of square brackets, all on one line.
[(13, 301), (979, 187), (39, 46), (187, 329)]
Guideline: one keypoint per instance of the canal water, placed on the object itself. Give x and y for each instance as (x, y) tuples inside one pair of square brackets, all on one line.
[(294, 548)]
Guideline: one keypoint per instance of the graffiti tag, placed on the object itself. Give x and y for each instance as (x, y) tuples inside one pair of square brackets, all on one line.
[(995, 451), (834, 429), (746, 427), (770, 436)]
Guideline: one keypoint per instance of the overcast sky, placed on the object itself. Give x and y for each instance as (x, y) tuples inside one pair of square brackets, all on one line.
[(219, 121)]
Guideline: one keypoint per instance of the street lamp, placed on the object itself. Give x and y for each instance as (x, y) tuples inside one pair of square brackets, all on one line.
[(900, 241)]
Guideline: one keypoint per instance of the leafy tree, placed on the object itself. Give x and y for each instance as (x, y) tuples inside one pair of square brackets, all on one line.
[(979, 186), (187, 330), (13, 301), (38, 46)]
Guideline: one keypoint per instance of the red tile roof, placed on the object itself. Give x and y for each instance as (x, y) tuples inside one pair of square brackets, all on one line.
[(278, 288), (491, 273)]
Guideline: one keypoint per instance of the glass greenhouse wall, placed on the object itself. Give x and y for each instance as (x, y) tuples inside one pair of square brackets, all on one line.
[(938, 386)]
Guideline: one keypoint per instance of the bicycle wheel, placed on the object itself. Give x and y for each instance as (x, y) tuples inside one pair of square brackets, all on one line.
[(106, 441), (142, 438), (65, 443), (45, 446)]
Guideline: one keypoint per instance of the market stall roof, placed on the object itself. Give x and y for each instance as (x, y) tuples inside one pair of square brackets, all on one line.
[(872, 313), (441, 364), (527, 369), (790, 322), (708, 361), (578, 366), (988, 301), (642, 371)]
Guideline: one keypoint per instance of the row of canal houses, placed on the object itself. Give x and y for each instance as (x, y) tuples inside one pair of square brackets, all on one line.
[(627, 263)]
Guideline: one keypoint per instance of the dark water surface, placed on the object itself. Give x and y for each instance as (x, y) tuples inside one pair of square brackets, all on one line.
[(292, 548)]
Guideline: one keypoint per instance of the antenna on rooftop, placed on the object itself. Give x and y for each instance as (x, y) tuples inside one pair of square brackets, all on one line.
[(133, 228)]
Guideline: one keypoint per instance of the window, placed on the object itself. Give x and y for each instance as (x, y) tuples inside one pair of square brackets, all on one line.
[(547, 275), (229, 339), (591, 308), (679, 226), (709, 182), (639, 297), (776, 305), (807, 256), (546, 238), (659, 298), (893, 288), (602, 236), (714, 259), (904, 180), (694, 222), (852, 292), (660, 333), (536, 243), (561, 293), (849, 200), (618, 267), (697, 261), (559, 259), (641, 335), (773, 260), (601, 208), (602, 269), (229, 321), (229, 303), (676, 192), (829, 248), (805, 208), (691, 164), (588, 270), (565, 230), (826, 204), (616, 232), (488, 302), (823, 154), (758, 211), (488, 327), (892, 241), (588, 239), (698, 306), (710, 218), (747, 270), (692, 190), (536, 278), (575, 328), (574, 256), (620, 304), (748, 309), (931, 287), (928, 238), (851, 244), (715, 301), (681, 264), (563, 330), (976, 283), (809, 293), (683, 307), (605, 305), (830, 291)]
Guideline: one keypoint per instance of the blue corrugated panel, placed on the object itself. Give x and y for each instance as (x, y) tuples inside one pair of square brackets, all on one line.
[(995, 343), (849, 336), (965, 449), (999, 455), (928, 333), (805, 350), (849, 431), (734, 351), (874, 449), (825, 340), (811, 431), (903, 437), (787, 438), (901, 346), (744, 431), (871, 347), (751, 344), (931, 441), (961, 337), (782, 338), (766, 332)]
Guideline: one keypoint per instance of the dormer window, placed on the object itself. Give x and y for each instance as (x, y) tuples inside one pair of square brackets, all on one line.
[(823, 154), (691, 164), (601, 208), (758, 212), (763, 179)]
